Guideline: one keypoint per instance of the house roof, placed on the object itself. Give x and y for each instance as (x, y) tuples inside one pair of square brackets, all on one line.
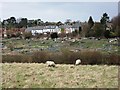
[(40, 28), (65, 26), (76, 25)]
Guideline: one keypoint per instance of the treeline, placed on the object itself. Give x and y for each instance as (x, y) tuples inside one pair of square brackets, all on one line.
[(104, 28), (12, 22)]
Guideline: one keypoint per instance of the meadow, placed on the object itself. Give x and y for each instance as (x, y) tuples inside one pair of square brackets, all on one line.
[(31, 45), (23, 63), (34, 75), (61, 50)]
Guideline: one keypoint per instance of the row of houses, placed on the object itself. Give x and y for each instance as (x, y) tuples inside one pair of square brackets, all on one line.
[(13, 31), (66, 28), (53, 28)]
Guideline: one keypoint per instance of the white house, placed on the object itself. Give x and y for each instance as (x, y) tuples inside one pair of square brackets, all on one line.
[(71, 28), (43, 29), (53, 28)]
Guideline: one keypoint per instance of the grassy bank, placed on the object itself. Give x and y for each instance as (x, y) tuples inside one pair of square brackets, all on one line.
[(33, 75)]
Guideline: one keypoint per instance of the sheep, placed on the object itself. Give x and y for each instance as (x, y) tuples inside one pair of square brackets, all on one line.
[(50, 63), (78, 61), (112, 40)]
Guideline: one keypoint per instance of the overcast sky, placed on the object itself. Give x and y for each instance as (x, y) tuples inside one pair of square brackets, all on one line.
[(58, 11)]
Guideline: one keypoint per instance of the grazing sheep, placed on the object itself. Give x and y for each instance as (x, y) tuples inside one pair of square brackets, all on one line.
[(50, 63), (78, 61), (112, 40), (73, 40)]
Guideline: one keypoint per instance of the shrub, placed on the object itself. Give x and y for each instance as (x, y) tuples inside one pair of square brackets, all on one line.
[(91, 57), (16, 58), (62, 35), (113, 59), (56, 57), (65, 56), (27, 35), (68, 57), (40, 56), (107, 34), (11, 47), (54, 35)]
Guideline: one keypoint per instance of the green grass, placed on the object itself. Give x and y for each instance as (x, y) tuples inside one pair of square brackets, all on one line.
[(40, 76), (101, 45)]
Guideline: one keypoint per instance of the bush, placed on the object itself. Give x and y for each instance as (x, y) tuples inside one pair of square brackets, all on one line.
[(107, 34), (62, 35), (11, 46), (27, 35), (54, 35), (113, 59), (40, 56), (16, 58), (91, 57), (69, 57), (65, 57)]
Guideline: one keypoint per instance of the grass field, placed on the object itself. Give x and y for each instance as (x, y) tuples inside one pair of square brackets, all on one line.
[(33, 75), (18, 75), (23, 46)]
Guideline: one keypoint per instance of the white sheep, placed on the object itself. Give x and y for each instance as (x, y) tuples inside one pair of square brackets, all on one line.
[(50, 63), (78, 61), (112, 40)]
